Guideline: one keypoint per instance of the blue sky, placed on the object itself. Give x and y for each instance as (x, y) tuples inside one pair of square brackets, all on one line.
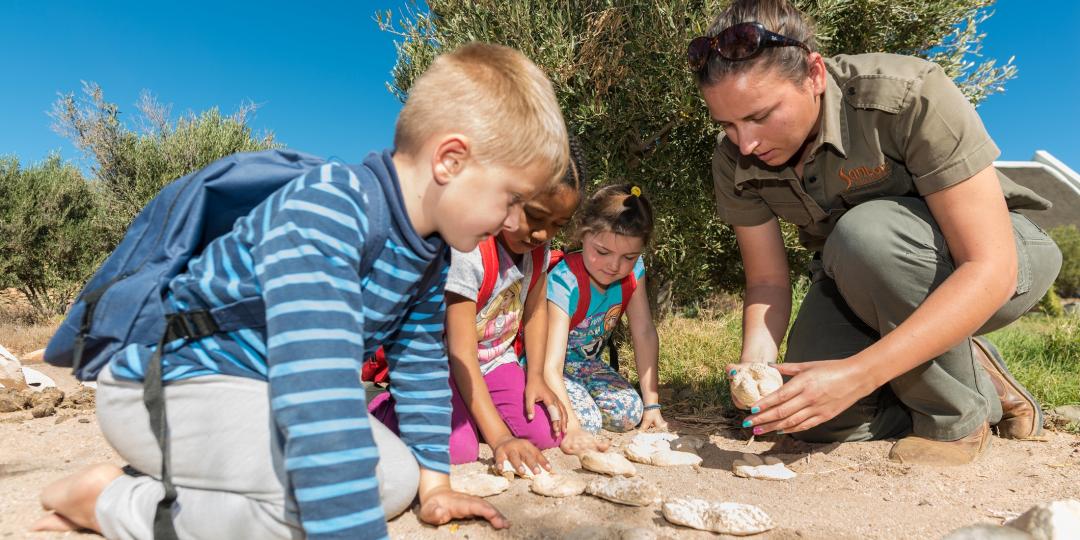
[(318, 73)]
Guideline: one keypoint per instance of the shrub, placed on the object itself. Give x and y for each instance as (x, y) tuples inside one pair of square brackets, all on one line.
[(1067, 238)]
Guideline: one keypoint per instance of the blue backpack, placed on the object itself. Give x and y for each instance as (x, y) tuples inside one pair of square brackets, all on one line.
[(123, 302)]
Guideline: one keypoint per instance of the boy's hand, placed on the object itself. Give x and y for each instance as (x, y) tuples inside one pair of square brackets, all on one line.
[(521, 453), (578, 441), (440, 505), (653, 419), (536, 390)]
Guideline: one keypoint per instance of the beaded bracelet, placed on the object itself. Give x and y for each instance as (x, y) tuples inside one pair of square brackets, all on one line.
[(654, 406)]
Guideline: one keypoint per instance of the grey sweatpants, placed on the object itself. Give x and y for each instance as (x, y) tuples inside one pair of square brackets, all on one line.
[(879, 264), (226, 462)]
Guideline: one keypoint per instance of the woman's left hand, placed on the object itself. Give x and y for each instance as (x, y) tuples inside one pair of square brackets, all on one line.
[(653, 419), (817, 392)]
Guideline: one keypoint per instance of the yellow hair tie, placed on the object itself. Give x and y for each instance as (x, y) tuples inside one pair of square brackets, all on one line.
[(635, 191)]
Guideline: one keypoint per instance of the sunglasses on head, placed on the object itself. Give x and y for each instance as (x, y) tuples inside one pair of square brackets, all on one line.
[(742, 41)]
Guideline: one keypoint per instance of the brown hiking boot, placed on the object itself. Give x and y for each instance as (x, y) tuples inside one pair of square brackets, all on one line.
[(1021, 416), (917, 450)]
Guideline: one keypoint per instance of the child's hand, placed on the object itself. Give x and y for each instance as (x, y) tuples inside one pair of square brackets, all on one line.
[(443, 504), (578, 441), (521, 454), (653, 419), (536, 390)]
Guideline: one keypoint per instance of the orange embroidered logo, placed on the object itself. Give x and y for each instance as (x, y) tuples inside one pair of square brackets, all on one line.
[(861, 176)]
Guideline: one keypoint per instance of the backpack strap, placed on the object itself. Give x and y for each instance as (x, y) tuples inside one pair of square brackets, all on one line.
[(629, 285), (489, 256), (577, 267)]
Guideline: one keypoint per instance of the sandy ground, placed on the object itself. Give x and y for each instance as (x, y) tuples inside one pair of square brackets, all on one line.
[(842, 491)]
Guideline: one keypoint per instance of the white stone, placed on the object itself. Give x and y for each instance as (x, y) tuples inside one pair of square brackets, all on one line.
[(655, 449), (509, 472), (608, 463), (11, 370), (557, 485), (755, 381), (629, 491), (720, 517), (1057, 520), (479, 484), (36, 380), (771, 468)]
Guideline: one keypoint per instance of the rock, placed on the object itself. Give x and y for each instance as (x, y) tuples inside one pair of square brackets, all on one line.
[(1058, 520), (752, 466), (608, 463), (755, 381), (987, 531), (37, 380), (688, 443), (720, 517), (479, 484), (633, 491), (11, 373), (49, 396), (43, 410), (655, 449), (1069, 412), (83, 398), (557, 485), (13, 399), (34, 357), (508, 472)]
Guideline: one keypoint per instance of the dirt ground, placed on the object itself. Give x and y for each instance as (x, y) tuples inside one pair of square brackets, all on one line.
[(842, 491)]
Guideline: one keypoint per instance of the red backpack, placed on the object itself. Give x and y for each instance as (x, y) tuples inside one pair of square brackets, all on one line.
[(577, 267), (377, 370)]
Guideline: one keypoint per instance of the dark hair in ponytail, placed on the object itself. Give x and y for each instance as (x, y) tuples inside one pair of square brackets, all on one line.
[(619, 209)]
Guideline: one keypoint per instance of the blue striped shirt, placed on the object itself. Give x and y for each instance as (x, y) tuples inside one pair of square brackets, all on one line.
[(300, 250)]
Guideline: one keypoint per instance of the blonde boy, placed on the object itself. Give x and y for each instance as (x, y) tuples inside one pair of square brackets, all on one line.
[(268, 430)]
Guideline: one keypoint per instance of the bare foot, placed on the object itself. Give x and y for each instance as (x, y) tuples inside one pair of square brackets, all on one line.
[(73, 498)]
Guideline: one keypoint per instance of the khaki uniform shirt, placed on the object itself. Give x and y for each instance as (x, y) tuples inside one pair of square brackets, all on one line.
[(890, 126)]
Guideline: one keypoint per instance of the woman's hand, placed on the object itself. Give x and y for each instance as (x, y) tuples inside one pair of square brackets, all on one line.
[(521, 453), (817, 392), (653, 419), (536, 391), (577, 441), (442, 504)]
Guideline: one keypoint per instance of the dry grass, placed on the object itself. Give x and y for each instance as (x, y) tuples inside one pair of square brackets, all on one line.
[(20, 330)]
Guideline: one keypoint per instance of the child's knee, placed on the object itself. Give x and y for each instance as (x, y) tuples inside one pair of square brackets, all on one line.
[(624, 412), (537, 431)]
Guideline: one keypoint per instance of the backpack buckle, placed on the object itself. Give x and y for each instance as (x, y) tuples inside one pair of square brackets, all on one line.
[(190, 325)]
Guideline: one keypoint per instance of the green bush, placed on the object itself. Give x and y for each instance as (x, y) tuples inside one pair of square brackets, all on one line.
[(1067, 238), (52, 234), (1050, 304), (619, 71), (130, 166)]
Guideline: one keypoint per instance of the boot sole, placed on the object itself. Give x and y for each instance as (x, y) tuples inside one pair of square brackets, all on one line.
[(992, 353)]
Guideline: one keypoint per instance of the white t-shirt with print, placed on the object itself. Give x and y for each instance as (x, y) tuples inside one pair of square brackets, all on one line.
[(498, 321)]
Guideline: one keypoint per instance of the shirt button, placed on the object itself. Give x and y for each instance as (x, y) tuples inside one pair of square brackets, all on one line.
[(851, 91), (811, 179)]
